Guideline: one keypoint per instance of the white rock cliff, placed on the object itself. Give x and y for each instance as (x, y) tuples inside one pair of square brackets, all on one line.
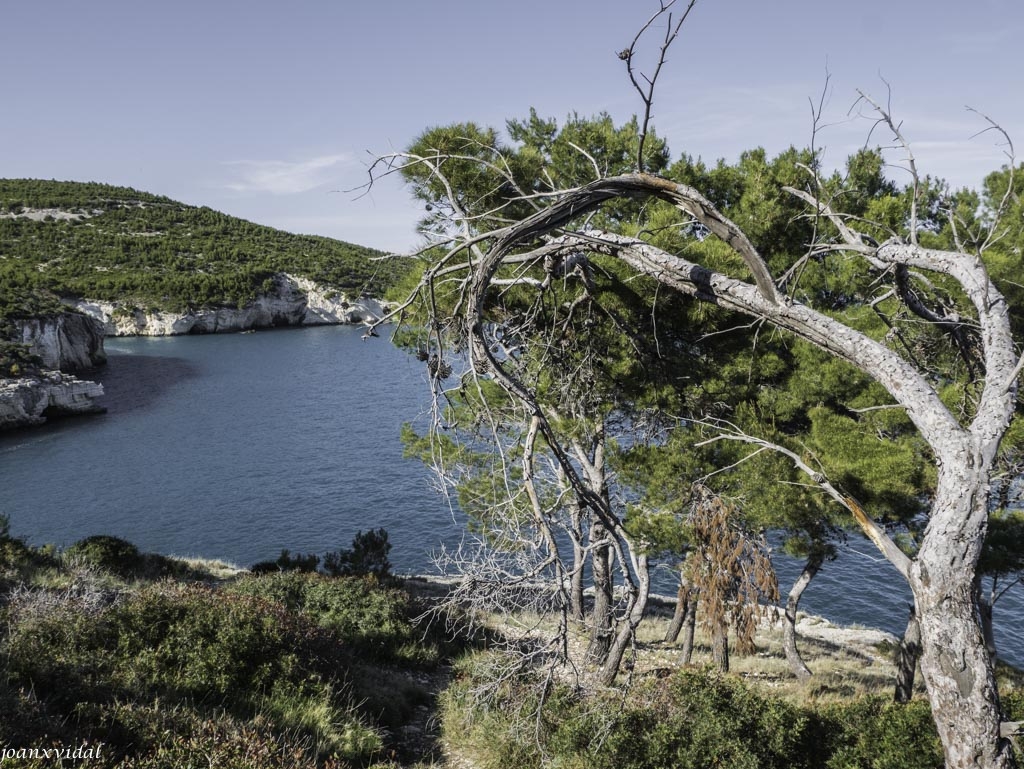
[(293, 301), (67, 341), (31, 400)]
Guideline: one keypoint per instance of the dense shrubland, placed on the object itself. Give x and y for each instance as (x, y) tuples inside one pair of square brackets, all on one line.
[(163, 664), (672, 716), (690, 719), (168, 662)]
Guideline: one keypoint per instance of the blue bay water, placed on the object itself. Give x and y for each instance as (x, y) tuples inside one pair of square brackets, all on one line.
[(236, 446)]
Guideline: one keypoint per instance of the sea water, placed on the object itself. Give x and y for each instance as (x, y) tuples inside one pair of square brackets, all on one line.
[(236, 446)]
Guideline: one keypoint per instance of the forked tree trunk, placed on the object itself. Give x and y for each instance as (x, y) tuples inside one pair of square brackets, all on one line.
[(907, 656), (956, 667), (601, 629), (689, 628), (679, 615), (579, 554), (634, 616), (796, 662)]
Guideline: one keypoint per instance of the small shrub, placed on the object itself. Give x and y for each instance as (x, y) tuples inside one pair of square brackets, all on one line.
[(58, 651), (154, 566), (111, 554), (158, 736), (14, 553), (16, 360), (876, 733), (23, 718), (373, 620), (368, 556), (287, 562)]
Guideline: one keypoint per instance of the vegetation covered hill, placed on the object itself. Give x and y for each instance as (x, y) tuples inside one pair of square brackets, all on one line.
[(115, 243)]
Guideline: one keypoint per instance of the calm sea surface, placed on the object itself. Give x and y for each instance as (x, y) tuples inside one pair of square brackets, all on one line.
[(236, 446)]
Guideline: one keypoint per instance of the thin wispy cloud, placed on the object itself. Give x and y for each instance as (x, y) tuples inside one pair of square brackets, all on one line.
[(283, 177)]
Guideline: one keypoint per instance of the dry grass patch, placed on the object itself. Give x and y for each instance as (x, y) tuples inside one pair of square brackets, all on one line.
[(846, 661), (217, 569)]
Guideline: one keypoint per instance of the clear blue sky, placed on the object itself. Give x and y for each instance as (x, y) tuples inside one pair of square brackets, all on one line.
[(270, 110)]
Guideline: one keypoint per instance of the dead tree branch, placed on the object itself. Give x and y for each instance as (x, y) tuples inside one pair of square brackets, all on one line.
[(871, 530), (646, 90)]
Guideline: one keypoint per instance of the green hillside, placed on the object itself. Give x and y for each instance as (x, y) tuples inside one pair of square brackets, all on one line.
[(115, 243)]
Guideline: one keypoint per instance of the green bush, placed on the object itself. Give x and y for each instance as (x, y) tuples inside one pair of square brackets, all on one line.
[(689, 720), (697, 719), (287, 562), (876, 733), (368, 556), (373, 620), (18, 560), (16, 360), (14, 553), (158, 736), (194, 646), (110, 554)]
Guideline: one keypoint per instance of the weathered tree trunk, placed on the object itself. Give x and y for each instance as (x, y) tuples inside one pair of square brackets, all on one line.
[(720, 646), (956, 667), (689, 627), (601, 629), (634, 616), (796, 662), (985, 607), (679, 615), (579, 554), (602, 544), (907, 657), (986, 629)]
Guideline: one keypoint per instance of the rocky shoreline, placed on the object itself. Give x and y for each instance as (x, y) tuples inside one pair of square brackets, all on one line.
[(292, 301), (72, 342), (32, 400)]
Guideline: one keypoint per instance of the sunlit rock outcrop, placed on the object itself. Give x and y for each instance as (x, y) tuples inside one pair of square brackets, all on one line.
[(292, 301), (32, 400), (68, 341)]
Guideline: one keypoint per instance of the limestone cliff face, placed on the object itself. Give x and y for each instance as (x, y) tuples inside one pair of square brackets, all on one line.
[(293, 301), (32, 400), (68, 341)]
